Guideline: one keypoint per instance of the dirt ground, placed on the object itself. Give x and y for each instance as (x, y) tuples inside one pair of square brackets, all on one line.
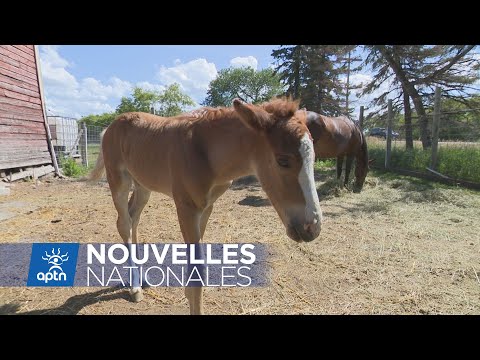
[(402, 246)]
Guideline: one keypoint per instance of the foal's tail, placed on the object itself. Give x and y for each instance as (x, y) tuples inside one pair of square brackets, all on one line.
[(99, 169)]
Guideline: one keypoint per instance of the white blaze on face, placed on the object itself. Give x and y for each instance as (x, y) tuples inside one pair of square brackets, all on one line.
[(313, 214)]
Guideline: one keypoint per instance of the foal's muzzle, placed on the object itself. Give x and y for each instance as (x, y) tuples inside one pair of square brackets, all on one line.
[(304, 231)]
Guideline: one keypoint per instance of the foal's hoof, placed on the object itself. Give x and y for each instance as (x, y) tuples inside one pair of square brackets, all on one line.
[(136, 295)]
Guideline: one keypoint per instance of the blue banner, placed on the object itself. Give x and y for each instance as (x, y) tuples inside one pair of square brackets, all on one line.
[(150, 265), (52, 264)]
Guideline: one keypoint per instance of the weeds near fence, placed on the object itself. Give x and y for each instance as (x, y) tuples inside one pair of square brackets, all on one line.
[(462, 163), (71, 168), (458, 162)]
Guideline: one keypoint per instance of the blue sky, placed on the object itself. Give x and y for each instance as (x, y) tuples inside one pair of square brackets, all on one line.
[(91, 79), (82, 79)]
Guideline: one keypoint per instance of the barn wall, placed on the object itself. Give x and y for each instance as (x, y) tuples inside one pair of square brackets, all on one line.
[(23, 140)]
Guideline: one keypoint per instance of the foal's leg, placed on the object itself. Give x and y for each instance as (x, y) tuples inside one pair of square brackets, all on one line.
[(204, 219), (120, 183), (215, 193), (189, 218), (136, 204), (348, 167), (193, 222)]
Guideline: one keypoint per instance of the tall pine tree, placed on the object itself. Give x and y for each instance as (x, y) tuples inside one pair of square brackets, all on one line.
[(291, 66), (313, 73)]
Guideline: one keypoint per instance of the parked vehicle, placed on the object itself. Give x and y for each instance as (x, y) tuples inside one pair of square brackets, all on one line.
[(382, 132)]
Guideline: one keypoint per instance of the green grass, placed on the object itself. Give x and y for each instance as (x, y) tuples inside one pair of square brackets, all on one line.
[(324, 164), (456, 161), (73, 168), (461, 163)]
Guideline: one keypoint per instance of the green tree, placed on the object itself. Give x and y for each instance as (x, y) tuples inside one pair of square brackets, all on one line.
[(324, 91), (290, 66), (416, 70), (172, 101), (460, 121), (313, 73), (347, 66), (140, 100), (102, 120), (245, 83)]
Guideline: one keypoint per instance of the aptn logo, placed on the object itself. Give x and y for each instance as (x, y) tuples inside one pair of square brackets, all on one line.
[(52, 264), (55, 272)]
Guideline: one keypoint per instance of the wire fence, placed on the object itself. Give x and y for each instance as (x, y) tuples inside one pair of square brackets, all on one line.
[(451, 150), (64, 132), (74, 140), (93, 145)]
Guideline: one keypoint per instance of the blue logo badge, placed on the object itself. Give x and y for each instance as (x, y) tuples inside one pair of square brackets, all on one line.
[(52, 264)]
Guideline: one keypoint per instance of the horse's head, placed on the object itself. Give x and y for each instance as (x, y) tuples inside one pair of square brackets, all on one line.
[(362, 164), (284, 164)]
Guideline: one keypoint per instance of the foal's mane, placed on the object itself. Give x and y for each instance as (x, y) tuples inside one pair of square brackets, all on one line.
[(280, 108), (283, 107)]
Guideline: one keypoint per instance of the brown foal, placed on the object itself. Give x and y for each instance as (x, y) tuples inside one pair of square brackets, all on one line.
[(194, 157)]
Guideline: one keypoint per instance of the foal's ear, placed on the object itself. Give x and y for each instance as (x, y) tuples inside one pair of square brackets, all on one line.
[(253, 116)]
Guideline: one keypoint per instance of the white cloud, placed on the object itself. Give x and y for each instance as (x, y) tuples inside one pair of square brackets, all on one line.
[(54, 68), (248, 61), (145, 85), (361, 80), (67, 96), (93, 89), (193, 76)]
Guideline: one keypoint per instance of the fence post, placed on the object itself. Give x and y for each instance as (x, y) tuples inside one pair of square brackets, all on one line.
[(360, 118), (435, 128), (85, 145), (388, 152)]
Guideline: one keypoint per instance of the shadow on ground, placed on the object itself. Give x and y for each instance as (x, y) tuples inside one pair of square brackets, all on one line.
[(73, 305), (255, 201), (246, 182)]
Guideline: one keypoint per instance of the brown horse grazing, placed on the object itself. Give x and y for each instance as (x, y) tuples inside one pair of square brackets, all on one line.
[(194, 157), (339, 137)]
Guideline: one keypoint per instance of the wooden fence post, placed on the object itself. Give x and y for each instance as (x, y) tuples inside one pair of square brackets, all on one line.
[(85, 145), (435, 128), (360, 118), (388, 152)]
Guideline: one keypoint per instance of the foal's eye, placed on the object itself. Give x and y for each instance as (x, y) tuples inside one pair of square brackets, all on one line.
[(283, 161)]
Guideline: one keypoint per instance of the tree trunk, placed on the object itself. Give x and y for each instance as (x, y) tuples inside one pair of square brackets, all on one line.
[(425, 135), (297, 64), (408, 121), (412, 92), (348, 84)]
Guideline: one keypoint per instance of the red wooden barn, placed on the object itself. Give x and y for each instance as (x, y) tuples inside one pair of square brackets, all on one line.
[(24, 141)]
